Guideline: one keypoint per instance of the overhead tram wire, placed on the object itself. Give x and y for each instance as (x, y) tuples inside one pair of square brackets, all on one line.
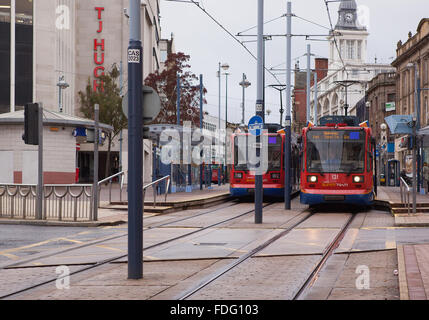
[(227, 31), (282, 16), (335, 39)]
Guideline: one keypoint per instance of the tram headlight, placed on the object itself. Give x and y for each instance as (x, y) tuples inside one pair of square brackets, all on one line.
[(358, 179), (312, 179), (238, 175)]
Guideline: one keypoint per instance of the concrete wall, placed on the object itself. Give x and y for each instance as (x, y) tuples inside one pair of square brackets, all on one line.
[(59, 156)]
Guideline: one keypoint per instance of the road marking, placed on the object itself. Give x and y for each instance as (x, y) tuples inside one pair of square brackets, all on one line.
[(71, 240), (10, 256), (109, 248)]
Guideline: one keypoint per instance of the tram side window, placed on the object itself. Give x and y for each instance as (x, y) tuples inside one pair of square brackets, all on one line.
[(369, 156)]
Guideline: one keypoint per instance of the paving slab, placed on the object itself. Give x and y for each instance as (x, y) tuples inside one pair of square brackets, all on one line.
[(413, 261)]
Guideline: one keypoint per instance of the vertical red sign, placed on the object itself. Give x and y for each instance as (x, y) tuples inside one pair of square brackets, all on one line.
[(99, 46)]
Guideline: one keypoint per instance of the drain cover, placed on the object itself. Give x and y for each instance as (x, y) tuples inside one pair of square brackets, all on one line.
[(210, 244)]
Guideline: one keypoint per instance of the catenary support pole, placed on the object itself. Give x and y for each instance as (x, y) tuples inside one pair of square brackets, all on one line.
[(201, 126), (96, 161), (135, 144), (218, 147), (315, 99), (308, 80), (288, 122), (260, 109)]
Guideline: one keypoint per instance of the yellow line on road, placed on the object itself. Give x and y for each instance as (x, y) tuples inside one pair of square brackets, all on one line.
[(71, 240), (38, 244), (27, 246), (109, 248), (10, 256)]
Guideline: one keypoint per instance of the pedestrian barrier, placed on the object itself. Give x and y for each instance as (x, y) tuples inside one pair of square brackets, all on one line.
[(405, 198), (155, 185), (60, 203), (109, 180), (63, 202)]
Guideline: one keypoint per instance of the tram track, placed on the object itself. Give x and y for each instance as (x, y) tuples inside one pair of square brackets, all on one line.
[(116, 258), (308, 282), (96, 242)]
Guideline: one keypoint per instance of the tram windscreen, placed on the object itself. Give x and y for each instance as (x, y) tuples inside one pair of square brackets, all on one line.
[(274, 153), (335, 151)]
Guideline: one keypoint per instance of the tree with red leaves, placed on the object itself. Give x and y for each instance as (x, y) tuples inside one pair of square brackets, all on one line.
[(165, 84)]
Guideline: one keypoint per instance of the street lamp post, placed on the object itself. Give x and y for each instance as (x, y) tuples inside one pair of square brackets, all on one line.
[(280, 88), (416, 127), (218, 128), (225, 67), (245, 84), (62, 84)]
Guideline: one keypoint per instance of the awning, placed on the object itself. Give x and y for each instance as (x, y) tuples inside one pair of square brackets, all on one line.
[(400, 124), (424, 131)]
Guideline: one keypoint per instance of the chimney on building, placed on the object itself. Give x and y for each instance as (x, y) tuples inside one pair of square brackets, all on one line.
[(321, 68)]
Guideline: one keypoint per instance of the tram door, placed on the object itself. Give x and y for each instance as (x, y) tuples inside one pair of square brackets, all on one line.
[(393, 173)]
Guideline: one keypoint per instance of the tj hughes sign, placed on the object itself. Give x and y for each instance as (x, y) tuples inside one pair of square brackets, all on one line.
[(99, 46)]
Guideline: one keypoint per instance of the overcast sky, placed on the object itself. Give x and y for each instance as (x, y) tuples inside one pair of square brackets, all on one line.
[(196, 34)]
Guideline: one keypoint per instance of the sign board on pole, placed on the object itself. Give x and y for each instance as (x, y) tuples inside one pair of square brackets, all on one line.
[(151, 103), (256, 125)]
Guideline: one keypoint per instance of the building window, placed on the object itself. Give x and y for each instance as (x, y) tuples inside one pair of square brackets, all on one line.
[(164, 56), (4, 56), (350, 49), (359, 50), (391, 97), (24, 52), (426, 110)]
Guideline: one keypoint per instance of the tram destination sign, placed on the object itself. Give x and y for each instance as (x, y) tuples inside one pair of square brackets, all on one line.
[(336, 135)]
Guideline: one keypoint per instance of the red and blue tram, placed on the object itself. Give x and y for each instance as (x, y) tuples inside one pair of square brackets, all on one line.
[(242, 180), (338, 162)]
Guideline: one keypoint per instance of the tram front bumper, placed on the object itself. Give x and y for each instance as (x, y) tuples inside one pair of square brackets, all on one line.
[(312, 198)]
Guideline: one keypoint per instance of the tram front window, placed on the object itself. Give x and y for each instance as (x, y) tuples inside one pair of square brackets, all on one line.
[(336, 151), (241, 153)]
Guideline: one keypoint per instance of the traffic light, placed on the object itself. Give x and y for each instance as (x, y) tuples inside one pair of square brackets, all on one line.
[(410, 142), (31, 124), (146, 132)]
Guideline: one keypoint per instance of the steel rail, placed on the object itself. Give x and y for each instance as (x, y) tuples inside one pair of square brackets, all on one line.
[(15, 265), (113, 259), (326, 255), (205, 282)]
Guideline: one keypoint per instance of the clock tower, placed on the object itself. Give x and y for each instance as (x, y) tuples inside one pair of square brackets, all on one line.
[(347, 16), (350, 37)]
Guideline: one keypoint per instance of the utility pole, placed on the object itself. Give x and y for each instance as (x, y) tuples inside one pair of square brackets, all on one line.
[(135, 144), (201, 126), (288, 122), (218, 141), (40, 182), (244, 84), (96, 160), (315, 99), (260, 110), (308, 80)]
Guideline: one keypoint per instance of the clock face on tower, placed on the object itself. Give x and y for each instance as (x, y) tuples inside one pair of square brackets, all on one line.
[(349, 17)]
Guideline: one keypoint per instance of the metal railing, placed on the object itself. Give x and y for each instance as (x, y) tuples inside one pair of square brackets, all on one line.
[(110, 181), (155, 191), (405, 198), (60, 202), (66, 202)]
